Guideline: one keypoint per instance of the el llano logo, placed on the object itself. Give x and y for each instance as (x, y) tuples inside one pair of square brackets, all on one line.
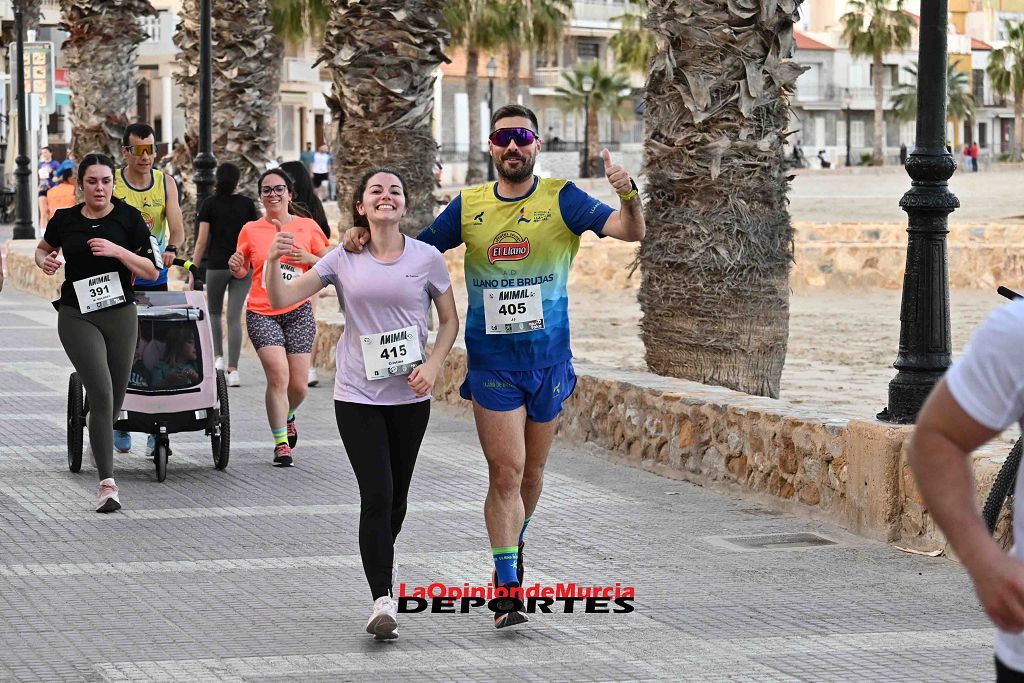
[(508, 246)]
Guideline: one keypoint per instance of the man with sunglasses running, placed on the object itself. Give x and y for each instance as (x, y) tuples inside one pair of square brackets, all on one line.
[(521, 235), (138, 184)]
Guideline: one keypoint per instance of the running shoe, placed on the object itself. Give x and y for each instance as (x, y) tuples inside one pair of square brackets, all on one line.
[(293, 433), (383, 623), (282, 455), (233, 380), (311, 379), (218, 363), (151, 446), (122, 441), (506, 614), (108, 497)]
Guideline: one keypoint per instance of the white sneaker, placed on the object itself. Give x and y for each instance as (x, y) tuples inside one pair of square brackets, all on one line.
[(313, 380), (233, 380), (383, 623), (218, 363), (108, 497)]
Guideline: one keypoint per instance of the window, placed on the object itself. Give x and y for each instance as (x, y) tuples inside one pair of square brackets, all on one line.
[(286, 128), (553, 119), (545, 58), (982, 134), (587, 51), (857, 133), (978, 86), (151, 27)]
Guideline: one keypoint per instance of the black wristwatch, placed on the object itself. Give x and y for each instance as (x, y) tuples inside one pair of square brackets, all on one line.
[(171, 248)]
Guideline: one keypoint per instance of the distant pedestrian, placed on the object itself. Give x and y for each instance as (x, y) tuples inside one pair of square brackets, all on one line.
[(974, 156), (824, 159), (903, 154), (47, 179), (968, 162), (307, 159), (61, 196), (322, 163), (70, 162), (305, 199), (221, 218)]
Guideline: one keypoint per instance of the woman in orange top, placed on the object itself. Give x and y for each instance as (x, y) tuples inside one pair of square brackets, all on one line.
[(283, 338), (62, 196)]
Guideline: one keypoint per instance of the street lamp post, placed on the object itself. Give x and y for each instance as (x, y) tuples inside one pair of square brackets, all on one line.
[(205, 162), (847, 101), (492, 71), (925, 348), (23, 228), (588, 85)]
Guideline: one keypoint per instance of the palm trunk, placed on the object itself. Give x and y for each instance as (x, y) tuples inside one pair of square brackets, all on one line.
[(382, 57), (1018, 125), (100, 54), (716, 259), (514, 57), (593, 141), (475, 160), (878, 152), (245, 91)]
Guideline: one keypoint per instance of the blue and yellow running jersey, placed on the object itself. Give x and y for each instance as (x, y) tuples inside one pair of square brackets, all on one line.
[(518, 254), (151, 202)]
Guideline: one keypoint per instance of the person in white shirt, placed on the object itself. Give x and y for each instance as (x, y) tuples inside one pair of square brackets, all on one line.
[(980, 396), (322, 164)]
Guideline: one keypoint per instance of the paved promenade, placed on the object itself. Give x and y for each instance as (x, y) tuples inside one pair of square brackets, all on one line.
[(253, 574)]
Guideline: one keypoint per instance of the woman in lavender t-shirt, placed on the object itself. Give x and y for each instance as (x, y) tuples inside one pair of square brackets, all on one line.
[(384, 378)]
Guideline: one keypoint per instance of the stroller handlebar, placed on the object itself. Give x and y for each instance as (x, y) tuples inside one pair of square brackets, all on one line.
[(197, 281), (1008, 293)]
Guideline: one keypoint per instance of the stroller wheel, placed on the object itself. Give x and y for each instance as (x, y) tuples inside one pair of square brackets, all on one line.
[(220, 439), (160, 454), (76, 422)]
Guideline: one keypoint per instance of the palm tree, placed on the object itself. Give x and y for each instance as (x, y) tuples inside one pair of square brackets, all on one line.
[(530, 24), (610, 92), (476, 27), (246, 68), (715, 262), (100, 52), (383, 56), (633, 45), (871, 29), (1006, 71), (959, 102)]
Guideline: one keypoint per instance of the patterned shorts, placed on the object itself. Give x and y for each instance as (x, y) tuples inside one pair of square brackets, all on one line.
[(293, 330)]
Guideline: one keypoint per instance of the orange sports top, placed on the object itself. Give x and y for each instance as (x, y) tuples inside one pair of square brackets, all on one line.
[(254, 244)]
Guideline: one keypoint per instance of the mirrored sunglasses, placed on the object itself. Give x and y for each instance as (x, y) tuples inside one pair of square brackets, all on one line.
[(521, 136), (139, 150)]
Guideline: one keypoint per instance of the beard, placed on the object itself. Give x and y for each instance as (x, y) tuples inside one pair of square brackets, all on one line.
[(517, 175)]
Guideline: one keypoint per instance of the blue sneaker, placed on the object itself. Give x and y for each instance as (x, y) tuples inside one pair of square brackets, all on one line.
[(122, 441), (150, 445)]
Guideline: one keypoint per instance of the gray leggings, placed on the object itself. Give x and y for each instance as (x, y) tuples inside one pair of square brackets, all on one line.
[(101, 346), (217, 281)]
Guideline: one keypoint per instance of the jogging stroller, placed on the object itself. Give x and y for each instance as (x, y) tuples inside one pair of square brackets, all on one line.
[(173, 385)]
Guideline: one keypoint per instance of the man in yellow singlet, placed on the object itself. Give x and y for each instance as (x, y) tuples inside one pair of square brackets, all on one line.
[(137, 183)]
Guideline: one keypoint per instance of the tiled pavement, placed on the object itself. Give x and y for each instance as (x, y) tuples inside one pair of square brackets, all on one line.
[(253, 574)]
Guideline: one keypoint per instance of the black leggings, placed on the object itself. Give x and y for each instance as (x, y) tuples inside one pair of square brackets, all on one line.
[(382, 443), (1005, 674)]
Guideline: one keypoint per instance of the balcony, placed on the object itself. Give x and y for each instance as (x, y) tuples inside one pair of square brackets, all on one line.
[(591, 12), (299, 70), (547, 77), (861, 97)]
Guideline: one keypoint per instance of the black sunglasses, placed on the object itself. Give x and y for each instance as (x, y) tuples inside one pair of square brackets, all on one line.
[(521, 136)]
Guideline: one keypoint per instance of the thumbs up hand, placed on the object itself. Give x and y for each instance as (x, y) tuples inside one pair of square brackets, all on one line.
[(617, 176), (282, 244)]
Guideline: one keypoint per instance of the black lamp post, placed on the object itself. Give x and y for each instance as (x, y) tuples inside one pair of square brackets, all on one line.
[(588, 85), (492, 71), (204, 161), (23, 227), (847, 101), (925, 348)]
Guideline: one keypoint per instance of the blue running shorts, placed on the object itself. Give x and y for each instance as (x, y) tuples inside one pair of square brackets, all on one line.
[(541, 391)]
